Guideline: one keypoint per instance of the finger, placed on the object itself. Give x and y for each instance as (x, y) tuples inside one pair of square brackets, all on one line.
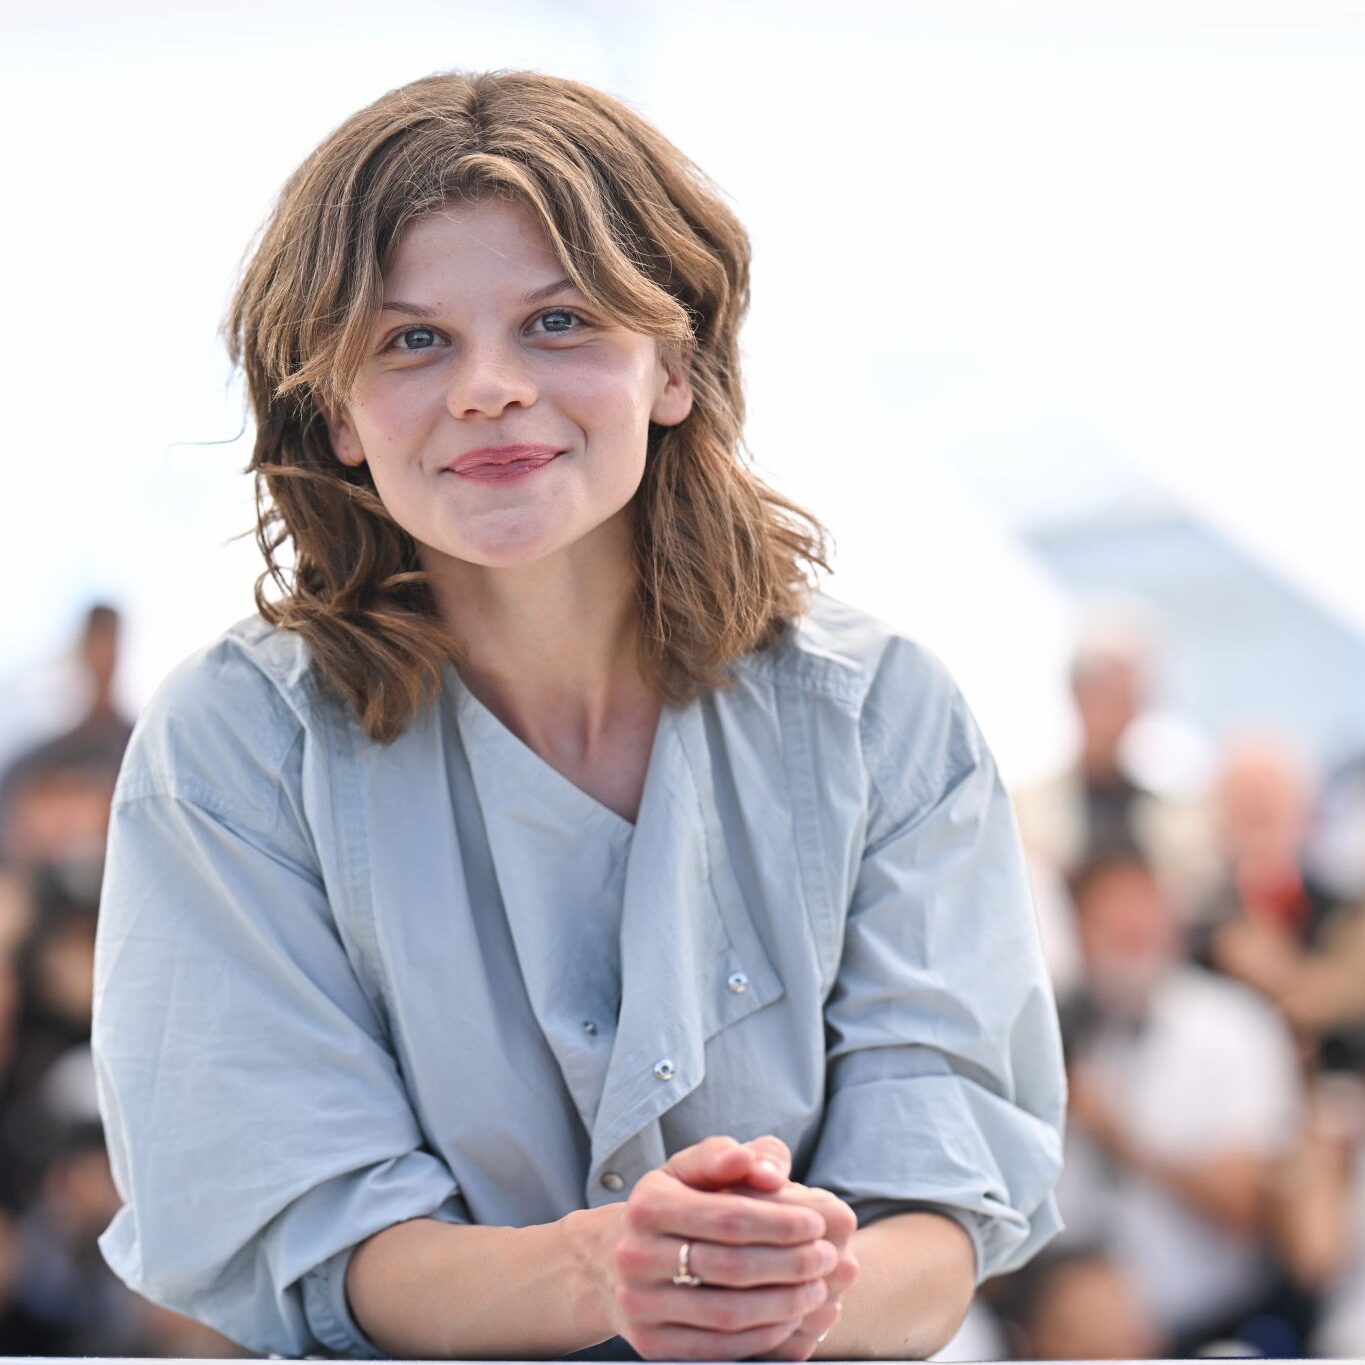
[(773, 1164), (712, 1163), (808, 1335), (841, 1278), (743, 1267), (840, 1220), (661, 1204), (719, 1310), (665, 1342), (798, 1346)]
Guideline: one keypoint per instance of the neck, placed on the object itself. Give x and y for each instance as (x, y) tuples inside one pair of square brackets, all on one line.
[(551, 647)]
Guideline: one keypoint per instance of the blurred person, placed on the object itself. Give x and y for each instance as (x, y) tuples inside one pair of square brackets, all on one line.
[(1334, 852), (1263, 799), (59, 812), (551, 868), (1185, 1088), (16, 916), (55, 969), (21, 1332), (1320, 1212), (1318, 1209), (1319, 990), (1271, 923), (1099, 802), (1095, 803), (1075, 1302), (62, 1298), (16, 908), (68, 1296), (16, 922), (54, 797)]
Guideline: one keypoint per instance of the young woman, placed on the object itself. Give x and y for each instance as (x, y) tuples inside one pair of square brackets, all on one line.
[(550, 925)]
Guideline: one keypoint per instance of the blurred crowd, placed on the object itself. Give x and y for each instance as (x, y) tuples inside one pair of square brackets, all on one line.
[(1207, 946), (57, 1296)]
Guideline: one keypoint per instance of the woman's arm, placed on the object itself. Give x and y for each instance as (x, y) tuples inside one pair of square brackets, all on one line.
[(914, 1288), (428, 1289)]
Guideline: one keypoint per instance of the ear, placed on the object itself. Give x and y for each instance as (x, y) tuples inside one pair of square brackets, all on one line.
[(342, 434), (673, 399)]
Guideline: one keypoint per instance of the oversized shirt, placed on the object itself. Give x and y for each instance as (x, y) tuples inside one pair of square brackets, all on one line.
[(338, 983)]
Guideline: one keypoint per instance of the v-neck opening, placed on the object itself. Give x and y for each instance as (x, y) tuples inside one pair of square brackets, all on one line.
[(543, 773)]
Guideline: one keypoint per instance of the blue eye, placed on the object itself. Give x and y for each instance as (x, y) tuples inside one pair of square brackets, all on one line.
[(565, 316), (416, 338)]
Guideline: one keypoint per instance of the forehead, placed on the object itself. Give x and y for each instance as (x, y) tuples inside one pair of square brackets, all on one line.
[(486, 243)]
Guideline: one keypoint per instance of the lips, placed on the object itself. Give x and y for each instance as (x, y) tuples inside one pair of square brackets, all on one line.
[(493, 457)]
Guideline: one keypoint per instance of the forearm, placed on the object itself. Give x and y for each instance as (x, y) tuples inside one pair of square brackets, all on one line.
[(1323, 994), (1310, 1209), (1230, 1188), (915, 1285), (431, 1290)]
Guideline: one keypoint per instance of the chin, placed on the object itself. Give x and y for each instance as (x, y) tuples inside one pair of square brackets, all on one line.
[(512, 551), (508, 539)]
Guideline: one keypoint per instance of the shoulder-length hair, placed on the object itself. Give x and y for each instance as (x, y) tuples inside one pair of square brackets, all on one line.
[(724, 563)]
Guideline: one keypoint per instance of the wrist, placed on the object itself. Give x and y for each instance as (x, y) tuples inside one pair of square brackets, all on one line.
[(588, 1237)]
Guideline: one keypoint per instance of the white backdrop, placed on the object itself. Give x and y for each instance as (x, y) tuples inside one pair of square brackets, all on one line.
[(968, 217)]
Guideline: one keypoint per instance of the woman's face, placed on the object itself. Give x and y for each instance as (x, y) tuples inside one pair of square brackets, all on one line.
[(484, 346)]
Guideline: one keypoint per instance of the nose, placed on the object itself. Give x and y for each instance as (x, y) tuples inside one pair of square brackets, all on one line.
[(488, 378)]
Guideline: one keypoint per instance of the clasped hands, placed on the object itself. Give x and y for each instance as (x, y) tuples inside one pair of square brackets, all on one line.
[(772, 1256)]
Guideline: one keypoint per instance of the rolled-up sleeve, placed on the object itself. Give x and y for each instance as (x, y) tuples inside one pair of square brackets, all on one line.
[(945, 1079), (257, 1124)]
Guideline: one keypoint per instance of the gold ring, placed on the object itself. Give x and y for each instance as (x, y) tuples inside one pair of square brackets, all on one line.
[(684, 1275)]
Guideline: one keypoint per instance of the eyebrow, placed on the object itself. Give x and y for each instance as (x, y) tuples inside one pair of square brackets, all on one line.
[(535, 296)]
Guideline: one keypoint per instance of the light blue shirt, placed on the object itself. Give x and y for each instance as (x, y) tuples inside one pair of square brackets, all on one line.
[(341, 984)]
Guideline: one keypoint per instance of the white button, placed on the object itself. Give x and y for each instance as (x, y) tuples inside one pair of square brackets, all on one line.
[(738, 983), (613, 1182), (664, 1070), (589, 1027)]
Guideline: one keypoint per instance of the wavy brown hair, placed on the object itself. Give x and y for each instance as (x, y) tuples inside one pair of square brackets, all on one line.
[(724, 562)]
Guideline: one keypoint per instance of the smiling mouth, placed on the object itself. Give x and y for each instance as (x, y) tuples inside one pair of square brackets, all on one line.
[(503, 470), (498, 464), (517, 457)]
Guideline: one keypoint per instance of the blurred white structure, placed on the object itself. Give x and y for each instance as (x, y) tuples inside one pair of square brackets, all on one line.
[(970, 218)]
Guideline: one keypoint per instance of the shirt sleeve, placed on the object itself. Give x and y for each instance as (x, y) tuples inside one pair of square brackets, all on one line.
[(946, 1087), (257, 1124)]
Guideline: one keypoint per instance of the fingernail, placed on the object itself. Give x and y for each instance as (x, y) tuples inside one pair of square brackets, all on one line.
[(829, 1258), (823, 1335), (768, 1166)]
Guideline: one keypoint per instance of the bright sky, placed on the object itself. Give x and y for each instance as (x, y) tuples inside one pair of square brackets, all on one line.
[(969, 218)]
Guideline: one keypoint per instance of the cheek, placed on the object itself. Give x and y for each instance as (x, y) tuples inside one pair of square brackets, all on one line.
[(604, 390), (393, 417)]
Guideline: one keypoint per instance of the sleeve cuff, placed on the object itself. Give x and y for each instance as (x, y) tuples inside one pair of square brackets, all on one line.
[(942, 1142), (329, 1314)]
